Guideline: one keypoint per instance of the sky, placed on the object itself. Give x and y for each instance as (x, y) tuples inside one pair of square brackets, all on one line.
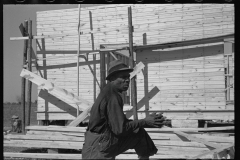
[(13, 16)]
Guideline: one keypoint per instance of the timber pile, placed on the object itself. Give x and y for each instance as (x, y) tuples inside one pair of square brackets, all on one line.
[(171, 142)]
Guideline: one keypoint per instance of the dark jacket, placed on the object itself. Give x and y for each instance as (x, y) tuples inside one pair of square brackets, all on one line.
[(107, 111), (110, 133)]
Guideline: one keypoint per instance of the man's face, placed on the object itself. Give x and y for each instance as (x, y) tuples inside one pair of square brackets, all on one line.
[(122, 80)]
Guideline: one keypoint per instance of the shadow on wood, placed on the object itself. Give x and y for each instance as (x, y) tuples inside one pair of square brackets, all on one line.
[(49, 98)]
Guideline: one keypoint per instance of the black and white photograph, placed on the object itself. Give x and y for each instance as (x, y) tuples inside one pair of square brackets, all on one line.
[(119, 81)]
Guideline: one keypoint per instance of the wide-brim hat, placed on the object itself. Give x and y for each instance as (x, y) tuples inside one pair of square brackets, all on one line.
[(117, 66)]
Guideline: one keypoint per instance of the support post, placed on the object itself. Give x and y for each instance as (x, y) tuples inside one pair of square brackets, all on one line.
[(94, 58), (102, 70), (30, 69), (227, 51), (132, 64), (23, 79), (79, 6)]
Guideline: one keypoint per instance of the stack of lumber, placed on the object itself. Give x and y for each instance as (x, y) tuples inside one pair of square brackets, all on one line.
[(171, 142)]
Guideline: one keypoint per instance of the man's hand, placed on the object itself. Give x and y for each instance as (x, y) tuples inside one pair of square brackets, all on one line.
[(154, 120)]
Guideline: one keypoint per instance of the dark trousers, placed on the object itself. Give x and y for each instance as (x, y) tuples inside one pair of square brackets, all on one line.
[(108, 146)]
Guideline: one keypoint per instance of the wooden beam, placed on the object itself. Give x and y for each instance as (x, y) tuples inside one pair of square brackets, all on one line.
[(45, 137), (217, 150), (184, 43), (192, 138), (228, 50), (42, 155), (44, 144), (167, 129), (52, 89), (189, 129), (24, 30), (79, 6), (57, 128), (66, 52), (233, 72), (81, 117), (229, 40), (132, 65), (113, 56), (94, 58), (102, 70), (138, 68), (116, 46), (29, 58)]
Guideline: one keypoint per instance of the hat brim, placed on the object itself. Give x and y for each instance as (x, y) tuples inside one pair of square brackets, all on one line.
[(120, 70)]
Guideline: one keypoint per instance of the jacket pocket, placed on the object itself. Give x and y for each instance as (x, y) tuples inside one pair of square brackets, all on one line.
[(108, 142)]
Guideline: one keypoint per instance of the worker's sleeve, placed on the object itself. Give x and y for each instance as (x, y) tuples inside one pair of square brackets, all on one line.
[(118, 122)]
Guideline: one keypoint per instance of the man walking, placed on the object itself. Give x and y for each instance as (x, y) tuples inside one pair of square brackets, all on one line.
[(109, 132)]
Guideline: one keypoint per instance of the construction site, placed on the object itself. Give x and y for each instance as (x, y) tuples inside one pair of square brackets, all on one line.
[(182, 56)]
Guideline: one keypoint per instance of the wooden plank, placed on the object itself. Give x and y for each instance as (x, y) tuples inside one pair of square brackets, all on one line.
[(171, 114), (156, 156), (55, 133), (190, 151), (56, 128), (138, 68), (217, 150), (29, 67), (79, 156), (44, 137), (160, 130), (184, 123), (54, 89), (192, 138), (44, 144), (174, 137), (42, 155), (192, 42), (189, 114), (23, 90)]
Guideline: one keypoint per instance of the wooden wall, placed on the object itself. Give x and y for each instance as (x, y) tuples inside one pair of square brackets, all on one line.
[(183, 81), (187, 78)]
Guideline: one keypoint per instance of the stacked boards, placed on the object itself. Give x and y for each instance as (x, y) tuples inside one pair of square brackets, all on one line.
[(169, 144), (161, 23)]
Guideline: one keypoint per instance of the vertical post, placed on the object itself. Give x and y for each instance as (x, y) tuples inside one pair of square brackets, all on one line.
[(233, 72), (30, 69), (23, 79), (102, 69), (79, 6), (227, 51), (94, 58), (132, 64)]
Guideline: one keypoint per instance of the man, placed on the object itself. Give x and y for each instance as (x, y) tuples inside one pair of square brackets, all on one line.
[(109, 132)]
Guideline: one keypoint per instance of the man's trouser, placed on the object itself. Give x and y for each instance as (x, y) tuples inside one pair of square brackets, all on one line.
[(108, 146)]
